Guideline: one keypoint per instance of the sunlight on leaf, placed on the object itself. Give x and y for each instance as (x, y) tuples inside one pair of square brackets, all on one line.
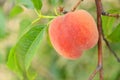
[(37, 4), (115, 35), (107, 23), (23, 52), (15, 11), (24, 24)]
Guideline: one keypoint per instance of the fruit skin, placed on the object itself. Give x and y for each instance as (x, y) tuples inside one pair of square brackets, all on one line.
[(72, 33)]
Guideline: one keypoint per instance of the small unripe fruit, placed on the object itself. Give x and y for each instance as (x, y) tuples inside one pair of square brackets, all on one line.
[(72, 33)]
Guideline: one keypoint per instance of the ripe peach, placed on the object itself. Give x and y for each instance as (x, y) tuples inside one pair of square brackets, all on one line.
[(72, 33)]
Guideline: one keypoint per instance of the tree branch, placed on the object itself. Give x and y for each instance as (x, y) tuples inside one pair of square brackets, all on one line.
[(99, 25), (78, 3), (106, 42), (94, 73), (61, 9), (108, 45), (100, 11), (110, 15)]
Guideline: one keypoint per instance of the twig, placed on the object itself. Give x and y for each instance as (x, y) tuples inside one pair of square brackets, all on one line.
[(74, 8), (110, 15), (61, 9), (94, 73), (108, 45), (100, 11), (106, 42)]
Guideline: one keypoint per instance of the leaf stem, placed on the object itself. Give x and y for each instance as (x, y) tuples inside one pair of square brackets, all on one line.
[(36, 20), (37, 12), (43, 16)]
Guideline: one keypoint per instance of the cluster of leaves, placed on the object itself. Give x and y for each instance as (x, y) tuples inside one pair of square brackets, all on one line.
[(22, 54), (110, 29)]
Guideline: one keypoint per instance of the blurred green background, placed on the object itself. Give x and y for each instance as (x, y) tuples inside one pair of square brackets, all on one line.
[(47, 64)]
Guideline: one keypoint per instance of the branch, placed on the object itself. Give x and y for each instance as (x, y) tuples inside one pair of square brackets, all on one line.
[(100, 11), (61, 9), (94, 73), (110, 15), (99, 25), (106, 42), (75, 7), (108, 45)]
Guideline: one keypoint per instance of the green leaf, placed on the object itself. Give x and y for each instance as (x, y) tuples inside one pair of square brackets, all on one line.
[(24, 24), (2, 24), (23, 52), (115, 35), (107, 23), (13, 63), (37, 4), (15, 11), (31, 74)]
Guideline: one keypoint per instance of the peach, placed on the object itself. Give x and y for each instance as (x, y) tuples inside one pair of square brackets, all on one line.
[(72, 33)]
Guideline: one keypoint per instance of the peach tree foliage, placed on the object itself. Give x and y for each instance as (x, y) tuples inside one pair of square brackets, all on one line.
[(22, 53)]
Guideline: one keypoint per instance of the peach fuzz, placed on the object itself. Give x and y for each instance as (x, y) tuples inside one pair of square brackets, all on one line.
[(72, 33)]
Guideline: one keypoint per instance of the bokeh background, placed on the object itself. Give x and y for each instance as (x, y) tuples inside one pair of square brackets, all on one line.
[(47, 63)]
